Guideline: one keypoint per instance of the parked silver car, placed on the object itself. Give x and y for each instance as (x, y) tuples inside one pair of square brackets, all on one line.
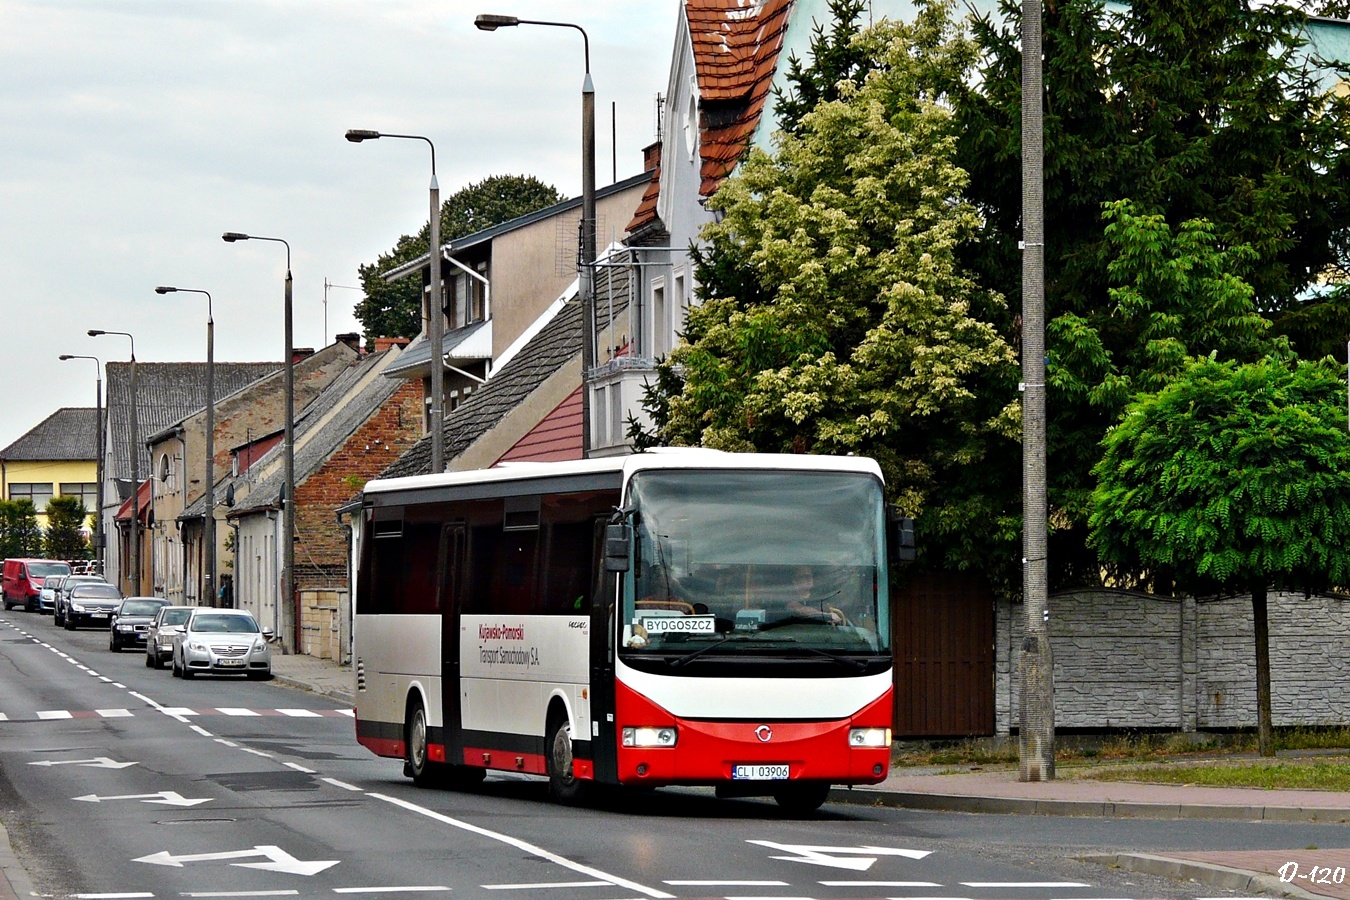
[(167, 623), (51, 586), (131, 620), (91, 604), (222, 641)]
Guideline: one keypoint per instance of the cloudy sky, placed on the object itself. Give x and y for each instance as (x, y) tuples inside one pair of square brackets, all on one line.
[(137, 131)]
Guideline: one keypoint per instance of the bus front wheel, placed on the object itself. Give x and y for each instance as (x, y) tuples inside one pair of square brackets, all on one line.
[(802, 797), (563, 784)]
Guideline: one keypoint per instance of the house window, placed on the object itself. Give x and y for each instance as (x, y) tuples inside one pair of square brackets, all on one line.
[(478, 310), (681, 305), (86, 492), (660, 318), (37, 492), (616, 413), (598, 418)]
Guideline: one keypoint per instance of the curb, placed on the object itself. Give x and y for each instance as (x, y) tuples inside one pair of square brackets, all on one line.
[(1205, 873), (14, 880), (300, 685), (1095, 808)]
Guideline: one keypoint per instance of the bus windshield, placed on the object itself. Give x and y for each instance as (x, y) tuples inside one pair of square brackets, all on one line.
[(763, 564)]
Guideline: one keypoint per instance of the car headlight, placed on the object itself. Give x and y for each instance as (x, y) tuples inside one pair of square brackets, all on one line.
[(649, 736), (259, 645), (78, 607), (196, 646), (121, 627), (869, 737)]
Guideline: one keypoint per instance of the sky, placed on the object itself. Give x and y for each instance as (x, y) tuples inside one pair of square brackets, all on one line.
[(136, 132)]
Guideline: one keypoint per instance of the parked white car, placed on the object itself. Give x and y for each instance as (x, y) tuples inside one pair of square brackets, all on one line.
[(222, 642)]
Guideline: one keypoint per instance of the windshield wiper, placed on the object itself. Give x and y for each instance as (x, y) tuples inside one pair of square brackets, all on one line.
[(702, 650), (858, 664)]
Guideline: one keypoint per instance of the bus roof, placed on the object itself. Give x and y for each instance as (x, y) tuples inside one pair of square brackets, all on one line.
[(659, 458)]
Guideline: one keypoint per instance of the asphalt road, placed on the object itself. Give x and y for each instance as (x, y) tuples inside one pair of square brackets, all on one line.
[(118, 781)]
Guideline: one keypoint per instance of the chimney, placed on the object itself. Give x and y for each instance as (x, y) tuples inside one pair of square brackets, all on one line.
[(384, 343), (299, 353), (651, 156), (351, 339)]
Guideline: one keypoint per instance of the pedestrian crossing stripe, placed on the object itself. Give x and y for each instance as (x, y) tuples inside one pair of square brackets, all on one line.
[(61, 714)]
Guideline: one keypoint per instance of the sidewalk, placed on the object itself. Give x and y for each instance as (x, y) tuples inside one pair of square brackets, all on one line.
[(997, 790)]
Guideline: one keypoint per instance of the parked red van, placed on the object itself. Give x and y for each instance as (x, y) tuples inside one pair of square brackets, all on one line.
[(23, 580)]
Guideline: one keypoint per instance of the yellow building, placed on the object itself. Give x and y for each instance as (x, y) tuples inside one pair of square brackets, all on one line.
[(57, 458)]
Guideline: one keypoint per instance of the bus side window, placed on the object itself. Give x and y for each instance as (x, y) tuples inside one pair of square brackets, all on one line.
[(417, 593), (503, 570), (567, 570)]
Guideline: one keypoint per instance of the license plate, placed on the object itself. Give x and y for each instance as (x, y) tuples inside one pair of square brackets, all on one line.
[(229, 663), (99, 615), (773, 772)]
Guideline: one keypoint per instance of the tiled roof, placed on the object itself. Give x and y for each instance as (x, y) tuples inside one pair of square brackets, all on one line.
[(166, 393), (646, 210), (558, 342), (67, 434), (736, 45), (353, 405)]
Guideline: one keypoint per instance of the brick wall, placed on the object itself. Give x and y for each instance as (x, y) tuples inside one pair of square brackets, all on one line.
[(1130, 660)]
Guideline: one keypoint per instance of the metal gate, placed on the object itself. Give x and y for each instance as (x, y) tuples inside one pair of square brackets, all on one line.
[(943, 633)]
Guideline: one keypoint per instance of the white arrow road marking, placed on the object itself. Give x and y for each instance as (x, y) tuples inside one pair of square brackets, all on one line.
[(278, 860), (820, 856), (100, 762), (168, 798)]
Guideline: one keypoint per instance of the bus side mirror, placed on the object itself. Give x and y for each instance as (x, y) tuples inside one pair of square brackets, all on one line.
[(618, 543), (901, 537)]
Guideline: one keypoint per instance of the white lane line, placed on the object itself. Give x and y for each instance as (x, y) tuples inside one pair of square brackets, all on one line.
[(300, 713), (226, 743), (879, 883), (1026, 884), (290, 893), (297, 767), (105, 679), (342, 784), (109, 896), (409, 889), (118, 684), (546, 884), (346, 712), (727, 883), (113, 713), (234, 711), (177, 711), (256, 752), (527, 847), (4, 718), (200, 730), (54, 714), (768, 898)]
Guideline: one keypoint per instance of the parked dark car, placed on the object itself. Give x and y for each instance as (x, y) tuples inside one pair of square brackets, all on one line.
[(91, 604), (167, 623), (63, 595), (130, 621)]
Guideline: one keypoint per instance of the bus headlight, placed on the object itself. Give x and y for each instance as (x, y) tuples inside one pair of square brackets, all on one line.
[(869, 737), (648, 736)]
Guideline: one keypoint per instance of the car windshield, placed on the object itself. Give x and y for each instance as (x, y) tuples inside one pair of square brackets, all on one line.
[(174, 616), (141, 607), (42, 570), (219, 624), (95, 592)]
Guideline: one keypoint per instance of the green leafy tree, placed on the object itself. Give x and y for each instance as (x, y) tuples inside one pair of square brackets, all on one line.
[(394, 309), (20, 534), (1233, 477), (64, 539), (836, 58), (1197, 110), (835, 318)]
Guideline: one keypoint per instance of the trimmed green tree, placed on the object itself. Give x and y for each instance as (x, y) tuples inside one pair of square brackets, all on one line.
[(20, 534), (1233, 477), (394, 309), (835, 318), (64, 538)]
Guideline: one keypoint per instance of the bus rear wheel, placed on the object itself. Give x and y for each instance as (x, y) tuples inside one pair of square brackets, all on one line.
[(802, 797), (416, 763), (563, 784)]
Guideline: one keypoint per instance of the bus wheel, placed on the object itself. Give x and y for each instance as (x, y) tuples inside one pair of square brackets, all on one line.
[(415, 762), (802, 797), (563, 785)]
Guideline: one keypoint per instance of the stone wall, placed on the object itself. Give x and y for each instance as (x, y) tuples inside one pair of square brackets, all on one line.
[(1132, 660)]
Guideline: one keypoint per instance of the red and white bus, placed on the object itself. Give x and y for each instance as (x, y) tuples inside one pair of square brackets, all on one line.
[(672, 617)]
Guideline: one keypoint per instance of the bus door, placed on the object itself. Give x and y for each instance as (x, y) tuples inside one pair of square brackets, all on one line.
[(603, 598), (451, 589)]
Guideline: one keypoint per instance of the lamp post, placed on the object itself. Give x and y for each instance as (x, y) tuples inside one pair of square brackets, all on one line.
[(288, 503), (98, 451), (436, 306), (135, 466), (209, 523), (586, 273)]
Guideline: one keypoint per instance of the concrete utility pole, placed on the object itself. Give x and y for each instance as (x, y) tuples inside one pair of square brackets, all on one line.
[(1036, 727)]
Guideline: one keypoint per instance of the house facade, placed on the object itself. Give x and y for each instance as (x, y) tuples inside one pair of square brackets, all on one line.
[(58, 457)]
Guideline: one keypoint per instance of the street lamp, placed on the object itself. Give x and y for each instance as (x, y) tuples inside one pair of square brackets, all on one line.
[(288, 503), (135, 466), (209, 525), (586, 274), (98, 451), (435, 323)]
